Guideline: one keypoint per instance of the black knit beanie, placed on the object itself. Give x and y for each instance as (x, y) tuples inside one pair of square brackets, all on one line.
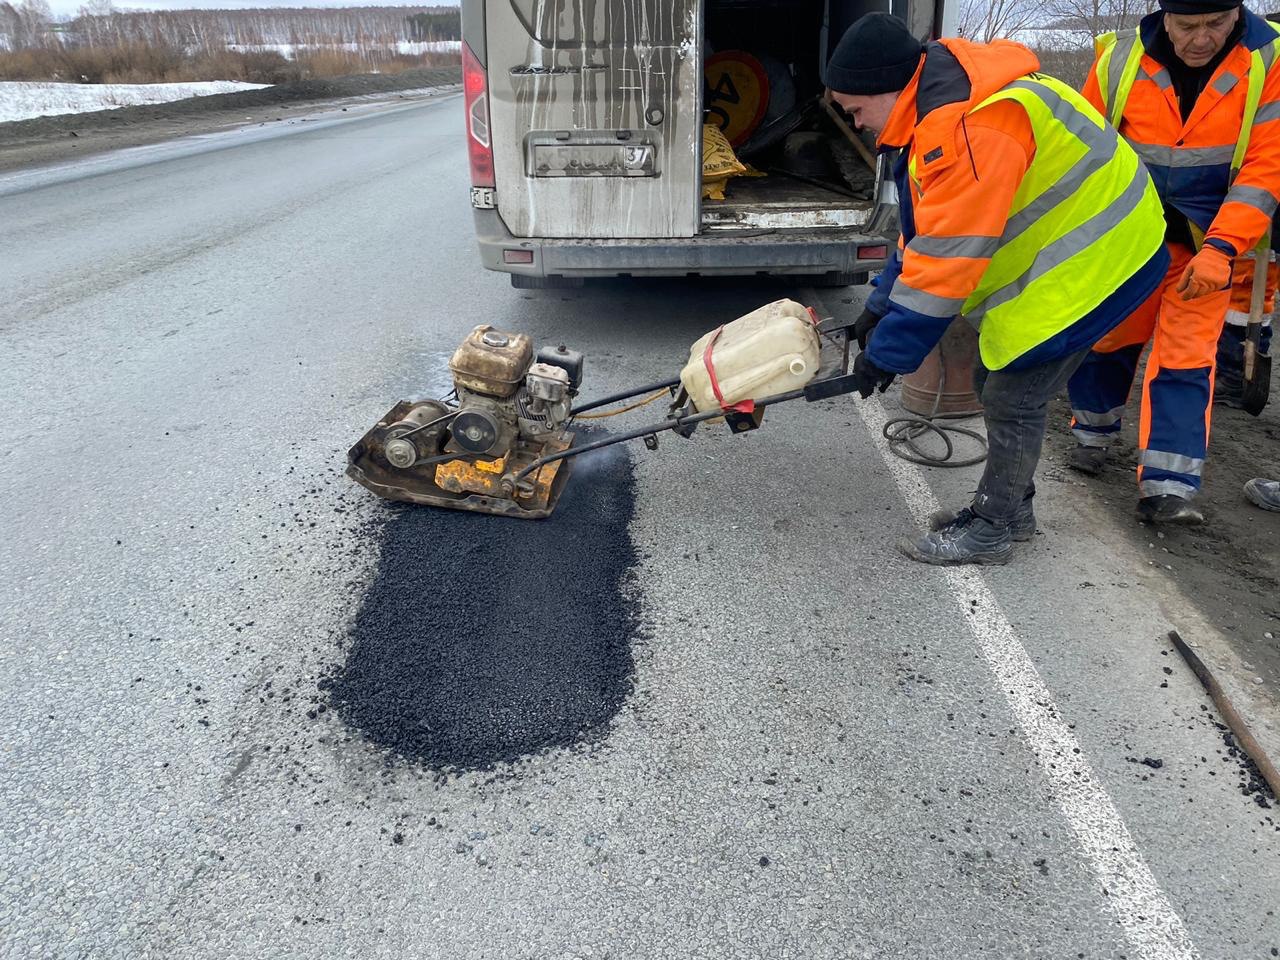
[(877, 54), (1194, 7)]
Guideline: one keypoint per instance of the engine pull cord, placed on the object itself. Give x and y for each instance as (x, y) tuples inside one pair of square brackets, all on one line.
[(903, 432), (664, 392)]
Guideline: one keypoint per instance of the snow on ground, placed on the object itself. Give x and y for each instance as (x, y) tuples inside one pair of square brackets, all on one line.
[(22, 100)]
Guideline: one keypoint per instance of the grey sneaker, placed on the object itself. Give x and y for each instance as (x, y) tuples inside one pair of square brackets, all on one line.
[(973, 541), (1265, 493), (1022, 528), (1088, 460), (1167, 508)]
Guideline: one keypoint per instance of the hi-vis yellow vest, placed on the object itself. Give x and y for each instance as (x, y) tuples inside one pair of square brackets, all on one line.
[(1084, 220), (1120, 56)]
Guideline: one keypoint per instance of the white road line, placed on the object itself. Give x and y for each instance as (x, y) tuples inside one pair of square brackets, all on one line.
[(1151, 924)]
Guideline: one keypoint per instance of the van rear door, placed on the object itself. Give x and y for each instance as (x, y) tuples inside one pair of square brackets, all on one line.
[(596, 116)]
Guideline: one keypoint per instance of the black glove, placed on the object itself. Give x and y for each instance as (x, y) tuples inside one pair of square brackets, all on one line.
[(863, 326), (869, 376)]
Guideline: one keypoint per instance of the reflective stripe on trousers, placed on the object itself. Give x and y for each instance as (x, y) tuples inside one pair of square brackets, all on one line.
[(1161, 473), (1177, 389), (1167, 487), (1089, 418), (1093, 429)]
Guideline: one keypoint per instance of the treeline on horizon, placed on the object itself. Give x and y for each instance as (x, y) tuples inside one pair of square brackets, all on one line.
[(208, 29), (260, 45)]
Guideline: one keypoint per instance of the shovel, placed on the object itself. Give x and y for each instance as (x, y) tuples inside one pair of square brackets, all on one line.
[(1257, 365)]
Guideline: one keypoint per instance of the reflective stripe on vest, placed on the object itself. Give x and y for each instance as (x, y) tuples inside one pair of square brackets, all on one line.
[(1118, 63), (1258, 66), (1084, 219)]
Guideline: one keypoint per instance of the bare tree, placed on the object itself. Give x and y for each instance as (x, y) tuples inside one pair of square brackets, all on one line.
[(1096, 17), (27, 23), (987, 20), (101, 24), (8, 25)]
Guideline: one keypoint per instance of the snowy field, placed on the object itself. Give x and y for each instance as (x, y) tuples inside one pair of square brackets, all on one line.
[(21, 100)]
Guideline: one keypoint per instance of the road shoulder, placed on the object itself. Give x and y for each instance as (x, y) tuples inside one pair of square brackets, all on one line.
[(1219, 584)]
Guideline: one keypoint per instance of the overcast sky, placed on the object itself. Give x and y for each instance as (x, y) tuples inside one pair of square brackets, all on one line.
[(65, 8)]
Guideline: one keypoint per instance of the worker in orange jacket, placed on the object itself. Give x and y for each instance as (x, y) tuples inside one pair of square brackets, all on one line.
[(1021, 210), (1179, 88)]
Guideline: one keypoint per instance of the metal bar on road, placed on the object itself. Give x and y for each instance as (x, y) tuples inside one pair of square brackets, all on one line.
[(1244, 736)]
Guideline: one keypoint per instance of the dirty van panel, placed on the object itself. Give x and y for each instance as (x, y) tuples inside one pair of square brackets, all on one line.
[(594, 111)]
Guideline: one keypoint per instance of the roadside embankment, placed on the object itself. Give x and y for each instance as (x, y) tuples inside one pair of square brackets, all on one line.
[(51, 139)]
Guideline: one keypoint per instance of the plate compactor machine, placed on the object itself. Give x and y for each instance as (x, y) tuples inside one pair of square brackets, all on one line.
[(502, 443)]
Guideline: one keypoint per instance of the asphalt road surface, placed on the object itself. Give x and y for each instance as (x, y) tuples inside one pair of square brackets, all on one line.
[(249, 711)]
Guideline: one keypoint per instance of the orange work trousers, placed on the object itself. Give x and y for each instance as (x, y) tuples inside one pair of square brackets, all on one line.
[(1177, 389)]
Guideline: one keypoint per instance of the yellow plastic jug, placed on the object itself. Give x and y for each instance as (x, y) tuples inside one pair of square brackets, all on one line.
[(770, 350)]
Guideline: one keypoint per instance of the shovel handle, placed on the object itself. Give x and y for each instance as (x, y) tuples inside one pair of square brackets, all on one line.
[(1257, 298), (848, 132)]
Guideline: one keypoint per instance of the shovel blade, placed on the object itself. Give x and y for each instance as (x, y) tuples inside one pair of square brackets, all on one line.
[(1257, 388)]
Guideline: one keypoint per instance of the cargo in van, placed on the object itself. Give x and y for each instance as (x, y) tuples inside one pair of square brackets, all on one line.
[(597, 130)]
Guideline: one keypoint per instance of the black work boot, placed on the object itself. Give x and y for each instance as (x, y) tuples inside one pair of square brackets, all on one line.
[(1088, 460), (972, 541), (1168, 508), (1022, 528)]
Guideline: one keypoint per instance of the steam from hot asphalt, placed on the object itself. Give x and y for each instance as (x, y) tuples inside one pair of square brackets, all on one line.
[(484, 639)]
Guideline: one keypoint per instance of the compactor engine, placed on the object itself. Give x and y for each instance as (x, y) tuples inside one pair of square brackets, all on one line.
[(508, 409)]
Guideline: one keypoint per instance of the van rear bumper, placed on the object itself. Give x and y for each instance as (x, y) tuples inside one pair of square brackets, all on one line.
[(721, 253)]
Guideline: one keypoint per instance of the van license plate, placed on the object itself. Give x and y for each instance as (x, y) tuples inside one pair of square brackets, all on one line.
[(594, 160)]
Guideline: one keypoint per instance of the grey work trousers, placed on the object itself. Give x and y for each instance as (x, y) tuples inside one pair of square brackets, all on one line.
[(1015, 406)]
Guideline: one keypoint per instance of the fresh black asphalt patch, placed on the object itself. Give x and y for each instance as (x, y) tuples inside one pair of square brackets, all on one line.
[(487, 639)]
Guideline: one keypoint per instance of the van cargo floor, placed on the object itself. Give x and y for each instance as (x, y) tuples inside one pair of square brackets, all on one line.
[(780, 202)]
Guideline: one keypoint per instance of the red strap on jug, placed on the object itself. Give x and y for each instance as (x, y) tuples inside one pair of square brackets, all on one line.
[(742, 406)]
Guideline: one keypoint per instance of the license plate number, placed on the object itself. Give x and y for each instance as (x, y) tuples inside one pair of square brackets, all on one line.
[(594, 160)]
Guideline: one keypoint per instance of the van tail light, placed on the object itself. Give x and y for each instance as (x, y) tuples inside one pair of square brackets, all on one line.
[(475, 94)]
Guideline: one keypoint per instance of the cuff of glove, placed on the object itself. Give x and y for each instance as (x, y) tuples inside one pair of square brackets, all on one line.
[(1226, 249)]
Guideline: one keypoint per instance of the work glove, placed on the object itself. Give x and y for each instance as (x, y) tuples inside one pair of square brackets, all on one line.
[(1208, 272), (863, 326), (868, 376)]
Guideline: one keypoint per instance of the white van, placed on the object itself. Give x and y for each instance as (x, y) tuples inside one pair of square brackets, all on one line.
[(584, 125)]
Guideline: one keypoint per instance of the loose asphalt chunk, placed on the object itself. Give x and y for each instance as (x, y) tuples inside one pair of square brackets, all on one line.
[(487, 639)]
